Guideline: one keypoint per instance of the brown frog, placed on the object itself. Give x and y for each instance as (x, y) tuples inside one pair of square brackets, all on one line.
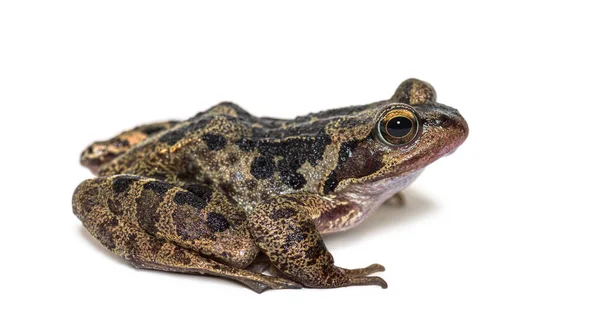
[(208, 195)]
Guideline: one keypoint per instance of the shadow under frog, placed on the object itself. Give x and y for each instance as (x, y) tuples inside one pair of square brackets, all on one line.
[(209, 194)]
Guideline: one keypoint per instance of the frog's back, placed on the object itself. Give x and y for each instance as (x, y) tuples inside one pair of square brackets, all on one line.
[(250, 158)]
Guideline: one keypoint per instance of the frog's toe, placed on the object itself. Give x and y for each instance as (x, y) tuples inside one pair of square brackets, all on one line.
[(274, 283), (361, 276), (374, 268), (368, 280)]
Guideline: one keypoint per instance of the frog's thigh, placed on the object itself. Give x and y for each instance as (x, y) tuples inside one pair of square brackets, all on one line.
[(155, 225), (284, 230)]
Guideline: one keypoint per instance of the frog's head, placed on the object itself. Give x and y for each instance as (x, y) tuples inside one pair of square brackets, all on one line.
[(396, 140)]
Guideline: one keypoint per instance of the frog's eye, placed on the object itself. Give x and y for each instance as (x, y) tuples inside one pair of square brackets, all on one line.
[(397, 126)]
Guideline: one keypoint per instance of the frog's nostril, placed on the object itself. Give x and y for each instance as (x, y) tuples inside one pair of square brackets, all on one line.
[(452, 119), (445, 122)]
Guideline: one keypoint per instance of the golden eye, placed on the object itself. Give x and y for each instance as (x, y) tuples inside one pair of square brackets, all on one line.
[(397, 126)]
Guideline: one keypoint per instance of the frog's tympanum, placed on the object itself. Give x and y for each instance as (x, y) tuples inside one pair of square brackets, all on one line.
[(210, 194)]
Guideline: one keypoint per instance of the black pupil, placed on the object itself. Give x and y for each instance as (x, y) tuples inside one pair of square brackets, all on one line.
[(399, 126)]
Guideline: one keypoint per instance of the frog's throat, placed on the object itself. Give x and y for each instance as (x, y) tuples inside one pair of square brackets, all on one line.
[(370, 195), (365, 198)]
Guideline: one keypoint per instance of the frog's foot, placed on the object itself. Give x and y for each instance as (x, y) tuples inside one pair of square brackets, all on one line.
[(155, 225), (398, 199), (255, 281), (284, 231), (360, 276)]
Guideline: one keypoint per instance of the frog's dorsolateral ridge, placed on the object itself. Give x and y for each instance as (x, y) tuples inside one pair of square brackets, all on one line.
[(207, 195)]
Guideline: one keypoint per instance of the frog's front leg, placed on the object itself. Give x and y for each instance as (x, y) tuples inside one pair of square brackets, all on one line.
[(284, 229), (155, 225), (398, 199)]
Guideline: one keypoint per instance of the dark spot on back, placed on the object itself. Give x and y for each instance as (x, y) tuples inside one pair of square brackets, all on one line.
[(159, 188), (172, 136), (294, 153), (216, 222), (262, 167), (184, 197), (202, 191), (293, 179), (330, 183), (246, 144), (122, 183), (214, 142), (303, 149)]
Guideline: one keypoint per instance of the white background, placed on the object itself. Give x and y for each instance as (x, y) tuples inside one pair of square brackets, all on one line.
[(500, 237)]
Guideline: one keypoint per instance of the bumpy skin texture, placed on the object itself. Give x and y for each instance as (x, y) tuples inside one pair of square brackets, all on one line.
[(208, 194)]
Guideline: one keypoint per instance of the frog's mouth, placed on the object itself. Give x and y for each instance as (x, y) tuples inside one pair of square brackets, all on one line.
[(451, 152)]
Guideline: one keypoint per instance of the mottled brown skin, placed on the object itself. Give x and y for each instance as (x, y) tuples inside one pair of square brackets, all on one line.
[(207, 195), (102, 152)]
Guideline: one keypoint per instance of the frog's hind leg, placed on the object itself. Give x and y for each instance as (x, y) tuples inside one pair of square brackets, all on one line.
[(102, 152), (284, 229), (155, 225), (201, 266)]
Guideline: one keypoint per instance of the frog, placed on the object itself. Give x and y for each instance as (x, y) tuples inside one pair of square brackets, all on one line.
[(249, 198)]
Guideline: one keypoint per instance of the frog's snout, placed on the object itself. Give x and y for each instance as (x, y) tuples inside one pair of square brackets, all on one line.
[(444, 129), (457, 124), (455, 129)]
